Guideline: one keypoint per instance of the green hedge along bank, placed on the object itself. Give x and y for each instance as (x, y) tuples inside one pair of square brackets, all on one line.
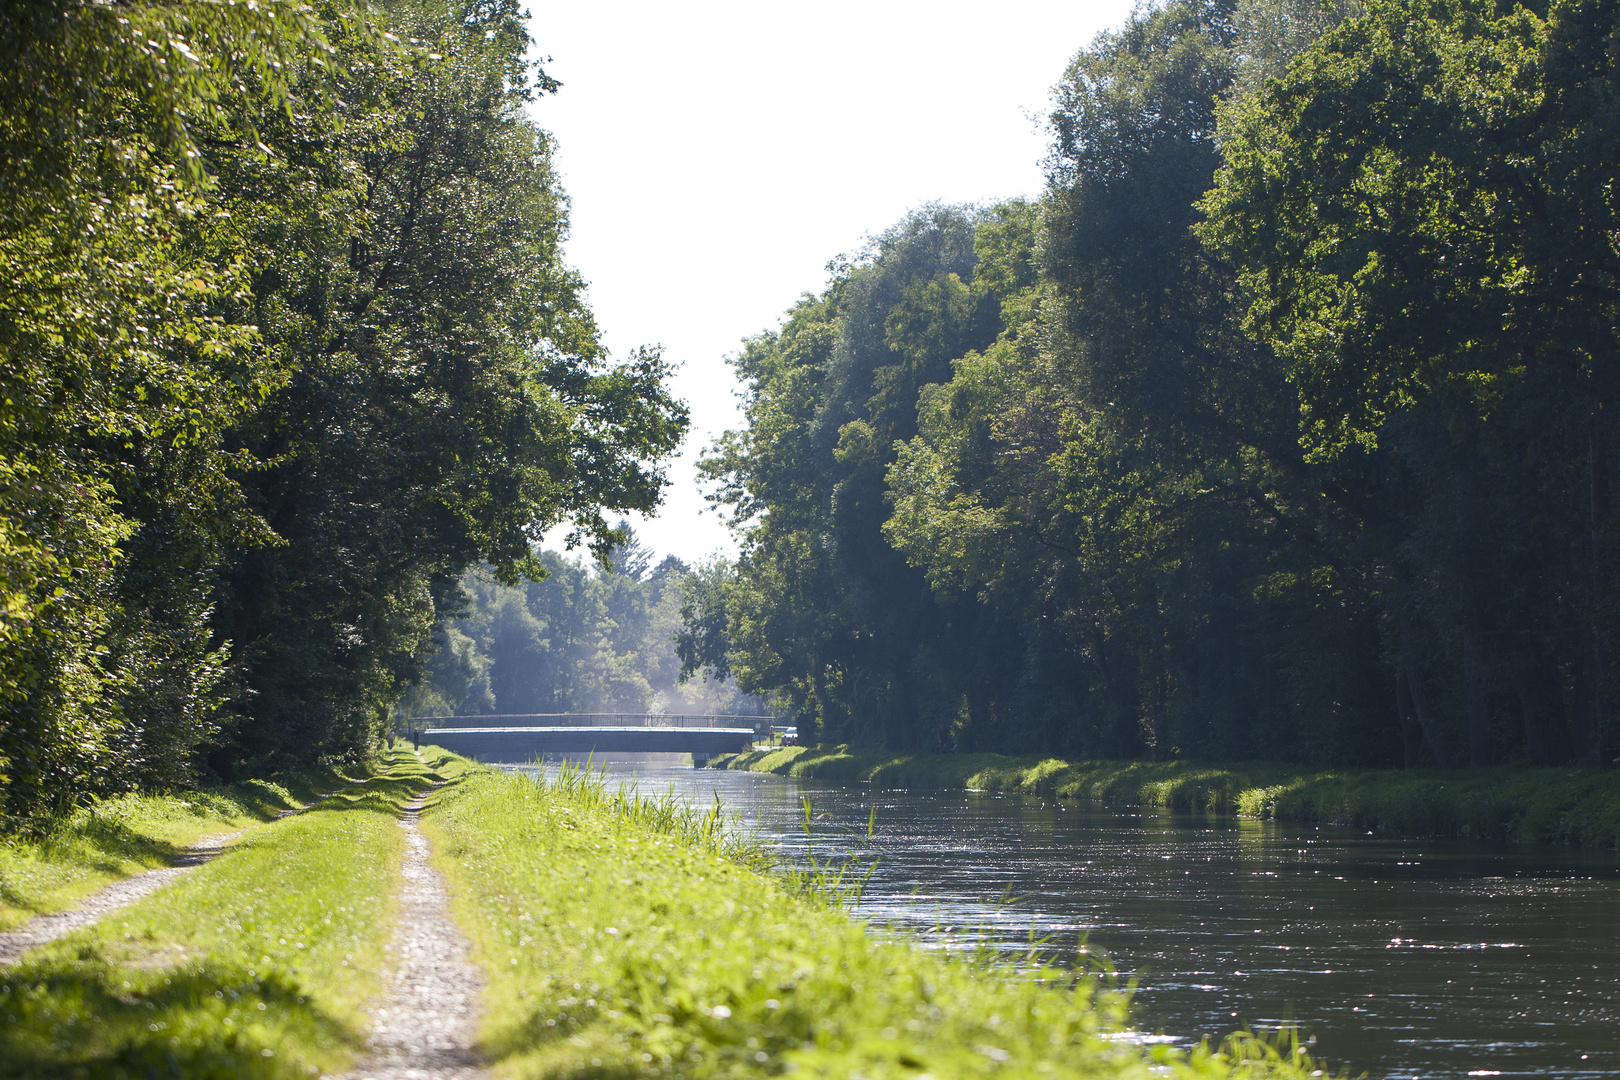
[(1557, 805)]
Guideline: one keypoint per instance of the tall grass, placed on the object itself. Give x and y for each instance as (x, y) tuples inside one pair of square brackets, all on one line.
[(837, 883), (577, 784)]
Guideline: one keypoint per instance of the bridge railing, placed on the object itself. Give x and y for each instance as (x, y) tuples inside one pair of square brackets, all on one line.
[(761, 724)]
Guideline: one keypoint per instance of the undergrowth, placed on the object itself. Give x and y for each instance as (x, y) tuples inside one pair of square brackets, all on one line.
[(1566, 805), (626, 935)]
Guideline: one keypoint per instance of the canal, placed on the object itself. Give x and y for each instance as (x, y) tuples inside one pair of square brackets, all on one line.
[(1401, 958)]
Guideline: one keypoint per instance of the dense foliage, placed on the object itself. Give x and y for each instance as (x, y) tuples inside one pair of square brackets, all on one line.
[(583, 639), (286, 344), (1278, 428)]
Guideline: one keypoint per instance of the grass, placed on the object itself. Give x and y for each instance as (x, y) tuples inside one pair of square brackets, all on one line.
[(627, 936), (1567, 806), (254, 965), (129, 834)]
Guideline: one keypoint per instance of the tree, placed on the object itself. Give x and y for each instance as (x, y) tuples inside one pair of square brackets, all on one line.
[(1415, 208), (824, 612), (703, 641), (286, 343), (448, 399), (119, 373), (630, 556)]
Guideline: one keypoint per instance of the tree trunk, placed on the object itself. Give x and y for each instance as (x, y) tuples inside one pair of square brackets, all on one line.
[(1123, 736), (1546, 731), (1600, 662), (1426, 720), (1479, 734), (1411, 733), (1584, 724), (1591, 742), (981, 721)]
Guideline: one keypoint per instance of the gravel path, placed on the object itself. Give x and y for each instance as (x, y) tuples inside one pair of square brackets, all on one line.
[(425, 1027), (42, 929)]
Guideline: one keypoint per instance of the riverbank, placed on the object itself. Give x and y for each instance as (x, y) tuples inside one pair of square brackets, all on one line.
[(257, 964), (118, 837), (624, 935), (1562, 806)]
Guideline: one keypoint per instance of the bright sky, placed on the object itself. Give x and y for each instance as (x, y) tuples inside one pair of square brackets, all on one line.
[(718, 154)]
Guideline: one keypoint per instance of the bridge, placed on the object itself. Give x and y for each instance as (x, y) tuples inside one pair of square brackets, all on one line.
[(514, 738)]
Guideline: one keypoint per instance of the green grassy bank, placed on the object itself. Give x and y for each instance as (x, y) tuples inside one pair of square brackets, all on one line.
[(256, 964), (1565, 806), (126, 835), (628, 936)]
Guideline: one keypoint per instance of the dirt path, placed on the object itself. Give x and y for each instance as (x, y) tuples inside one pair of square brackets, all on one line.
[(425, 1027), (42, 929)]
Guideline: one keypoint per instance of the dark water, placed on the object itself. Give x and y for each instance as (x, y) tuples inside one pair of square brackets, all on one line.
[(1401, 958)]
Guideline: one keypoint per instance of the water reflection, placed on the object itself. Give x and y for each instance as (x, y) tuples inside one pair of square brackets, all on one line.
[(1403, 958)]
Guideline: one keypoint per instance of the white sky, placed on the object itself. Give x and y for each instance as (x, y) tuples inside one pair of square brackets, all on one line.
[(718, 154)]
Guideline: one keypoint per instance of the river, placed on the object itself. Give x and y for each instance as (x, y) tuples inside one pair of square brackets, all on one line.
[(1400, 958)]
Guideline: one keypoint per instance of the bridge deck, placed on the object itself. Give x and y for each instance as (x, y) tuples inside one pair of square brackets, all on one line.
[(520, 744), (508, 720)]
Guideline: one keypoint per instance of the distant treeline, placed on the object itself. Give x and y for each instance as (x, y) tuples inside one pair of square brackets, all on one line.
[(1280, 427), (286, 345), (585, 639)]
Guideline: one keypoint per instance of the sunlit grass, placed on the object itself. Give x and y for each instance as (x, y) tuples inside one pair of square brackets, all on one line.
[(627, 936), (1565, 805), (129, 834), (257, 964)]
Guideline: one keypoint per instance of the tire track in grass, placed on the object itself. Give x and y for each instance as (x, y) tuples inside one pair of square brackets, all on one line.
[(43, 929), (426, 1026)]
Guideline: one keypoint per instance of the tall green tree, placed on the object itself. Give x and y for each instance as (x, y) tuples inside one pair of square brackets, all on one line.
[(825, 612), (448, 399), (119, 372), (1416, 209), (286, 343)]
